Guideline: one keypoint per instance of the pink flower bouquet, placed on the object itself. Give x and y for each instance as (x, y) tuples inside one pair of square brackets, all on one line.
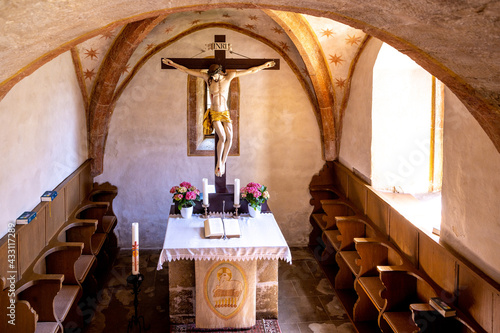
[(185, 195), (255, 193)]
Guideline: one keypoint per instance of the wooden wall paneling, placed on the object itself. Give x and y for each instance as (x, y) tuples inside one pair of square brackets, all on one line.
[(4, 252), (475, 297), (357, 192), (31, 239), (404, 235), (436, 262), (496, 313), (55, 215), (86, 181), (377, 211), (342, 176), (72, 193)]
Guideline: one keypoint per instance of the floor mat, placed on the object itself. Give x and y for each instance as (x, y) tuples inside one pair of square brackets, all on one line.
[(261, 326)]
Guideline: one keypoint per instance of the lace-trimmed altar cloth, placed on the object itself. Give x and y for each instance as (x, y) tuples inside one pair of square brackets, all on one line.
[(261, 238)]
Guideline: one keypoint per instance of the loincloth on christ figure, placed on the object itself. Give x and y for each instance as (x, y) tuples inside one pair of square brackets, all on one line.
[(211, 116)]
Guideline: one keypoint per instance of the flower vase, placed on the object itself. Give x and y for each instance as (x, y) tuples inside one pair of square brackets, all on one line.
[(254, 212), (187, 212)]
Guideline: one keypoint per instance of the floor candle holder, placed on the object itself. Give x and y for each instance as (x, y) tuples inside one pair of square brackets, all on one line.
[(136, 281)]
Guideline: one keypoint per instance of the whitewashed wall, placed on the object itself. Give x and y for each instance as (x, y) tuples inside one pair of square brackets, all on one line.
[(471, 189), (471, 177), (355, 147), (146, 151), (43, 135)]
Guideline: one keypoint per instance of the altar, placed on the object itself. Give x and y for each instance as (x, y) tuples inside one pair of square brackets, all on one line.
[(261, 245)]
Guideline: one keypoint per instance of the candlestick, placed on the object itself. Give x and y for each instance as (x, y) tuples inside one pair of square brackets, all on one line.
[(236, 191), (136, 320), (135, 248), (205, 191), (236, 207), (205, 216)]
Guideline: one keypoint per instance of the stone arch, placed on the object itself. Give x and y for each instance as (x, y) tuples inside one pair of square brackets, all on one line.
[(429, 34)]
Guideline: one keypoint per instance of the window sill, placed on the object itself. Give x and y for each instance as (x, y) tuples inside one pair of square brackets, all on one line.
[(423, 211)]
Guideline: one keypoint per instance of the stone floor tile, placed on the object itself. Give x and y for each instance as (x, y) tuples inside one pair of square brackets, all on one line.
[(313, 287), (298, 271), (327, 327), (301, 309)]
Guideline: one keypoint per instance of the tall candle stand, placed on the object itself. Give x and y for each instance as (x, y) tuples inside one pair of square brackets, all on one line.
[(205, 216), (136, 281)]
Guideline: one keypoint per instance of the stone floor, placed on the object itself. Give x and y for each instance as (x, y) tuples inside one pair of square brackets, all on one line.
[(307, 302)]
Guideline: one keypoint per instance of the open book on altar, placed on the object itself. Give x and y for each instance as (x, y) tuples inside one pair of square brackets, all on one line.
[(214, 228)]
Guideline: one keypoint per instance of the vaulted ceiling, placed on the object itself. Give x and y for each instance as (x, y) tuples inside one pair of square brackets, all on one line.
[(458, 42)]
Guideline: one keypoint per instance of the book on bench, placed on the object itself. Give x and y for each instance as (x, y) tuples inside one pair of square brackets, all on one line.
[(25, 217), (440, 306), (214, 228)]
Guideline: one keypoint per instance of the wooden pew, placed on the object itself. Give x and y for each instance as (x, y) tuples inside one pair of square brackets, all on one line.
[(406, 294), (56, 254), (82, 232), (15, 309), (60, 259), (372, 253), (40, 293)]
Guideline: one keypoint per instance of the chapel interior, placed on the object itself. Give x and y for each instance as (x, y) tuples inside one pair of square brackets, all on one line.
[(378, 138)]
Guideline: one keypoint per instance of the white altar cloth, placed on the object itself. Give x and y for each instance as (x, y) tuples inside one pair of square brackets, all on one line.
[(261, 238)]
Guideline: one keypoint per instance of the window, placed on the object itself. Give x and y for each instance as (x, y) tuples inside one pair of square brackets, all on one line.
[(407, 137)]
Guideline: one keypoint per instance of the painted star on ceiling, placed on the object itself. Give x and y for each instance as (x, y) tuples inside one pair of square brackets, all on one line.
[(335, 59), (327, 33), (352, 40), (253, 17), (89, 74), (284, 46), (126, 69), (277, 30), (107, 35), (250, 26), (150, 47), (91, 53), (194, 22), (168, 30), (340, 83)]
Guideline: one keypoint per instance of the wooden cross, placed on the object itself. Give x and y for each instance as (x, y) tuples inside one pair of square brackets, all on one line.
[(219, 47)]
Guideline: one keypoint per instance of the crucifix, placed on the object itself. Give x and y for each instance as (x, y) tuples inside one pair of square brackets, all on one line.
[(220, 73)]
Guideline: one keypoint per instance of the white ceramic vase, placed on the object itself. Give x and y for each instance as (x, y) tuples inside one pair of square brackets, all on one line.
[(187, 212), (254, 212)]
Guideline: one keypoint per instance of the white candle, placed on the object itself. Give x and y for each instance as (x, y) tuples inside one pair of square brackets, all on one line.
[(236, 191), (135, 248), (205, 191)]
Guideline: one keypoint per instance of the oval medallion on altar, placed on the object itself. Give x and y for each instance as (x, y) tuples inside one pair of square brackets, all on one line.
[(225, 288)]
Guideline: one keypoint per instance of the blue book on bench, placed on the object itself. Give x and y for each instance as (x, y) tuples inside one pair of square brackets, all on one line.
[(26, 217), (48, 196)]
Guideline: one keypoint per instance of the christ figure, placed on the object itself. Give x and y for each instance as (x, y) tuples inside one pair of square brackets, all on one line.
[(218, 81)]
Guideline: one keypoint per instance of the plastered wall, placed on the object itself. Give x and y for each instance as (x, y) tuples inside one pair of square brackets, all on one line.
[(43, 135), (146, 151), (471, 178), (471, 189)]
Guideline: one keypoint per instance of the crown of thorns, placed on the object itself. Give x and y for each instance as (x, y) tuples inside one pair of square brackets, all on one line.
[(214, 69)]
